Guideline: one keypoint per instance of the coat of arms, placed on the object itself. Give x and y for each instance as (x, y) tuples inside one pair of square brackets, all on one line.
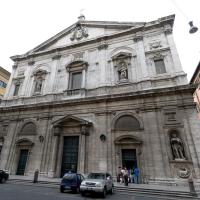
[(79, 33)]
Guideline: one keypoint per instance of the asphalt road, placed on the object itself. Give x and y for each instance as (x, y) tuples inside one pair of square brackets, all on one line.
[(10, 191)]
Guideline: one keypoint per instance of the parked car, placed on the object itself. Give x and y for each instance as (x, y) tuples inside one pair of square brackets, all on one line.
[(71, 181), (3, 176), (97, 183)]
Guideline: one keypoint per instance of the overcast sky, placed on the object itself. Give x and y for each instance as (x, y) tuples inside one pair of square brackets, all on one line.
[(27, 23)]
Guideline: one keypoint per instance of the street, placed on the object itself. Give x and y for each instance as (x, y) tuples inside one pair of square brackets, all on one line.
[(10, 191)]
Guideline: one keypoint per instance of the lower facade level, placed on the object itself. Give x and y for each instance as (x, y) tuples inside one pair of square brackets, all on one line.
[(161, 139)]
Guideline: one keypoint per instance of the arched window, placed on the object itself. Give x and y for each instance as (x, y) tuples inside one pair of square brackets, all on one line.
[(127, 123), (29, 129)]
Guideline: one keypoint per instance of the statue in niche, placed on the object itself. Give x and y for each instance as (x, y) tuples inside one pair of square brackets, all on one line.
[(177, 147), (38, 85), (123, 72)]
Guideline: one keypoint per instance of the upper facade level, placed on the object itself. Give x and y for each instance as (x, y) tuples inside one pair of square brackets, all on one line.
[(92, 58), (4, 77)]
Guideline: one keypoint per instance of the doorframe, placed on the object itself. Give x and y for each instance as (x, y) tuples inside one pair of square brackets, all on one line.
[(22, 144), (60, 153)]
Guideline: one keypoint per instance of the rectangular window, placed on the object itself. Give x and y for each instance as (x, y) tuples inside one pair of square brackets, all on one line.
[(76, 80), (16, 90), (2, 84), (160, 66)]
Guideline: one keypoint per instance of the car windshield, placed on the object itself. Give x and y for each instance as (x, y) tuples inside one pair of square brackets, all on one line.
[(69, 176), (96, 176)]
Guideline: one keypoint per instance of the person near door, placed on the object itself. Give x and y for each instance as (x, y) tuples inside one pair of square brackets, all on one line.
[(136, 174), (132, 175), (125, 177)]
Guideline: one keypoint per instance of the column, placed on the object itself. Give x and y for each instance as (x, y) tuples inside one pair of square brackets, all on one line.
[(82, 153), (142, 57), (54, 152)]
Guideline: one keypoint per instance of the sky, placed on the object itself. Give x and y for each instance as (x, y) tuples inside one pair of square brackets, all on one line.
[(24, 24)]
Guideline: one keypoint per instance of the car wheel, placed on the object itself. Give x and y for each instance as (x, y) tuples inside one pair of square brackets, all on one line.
[(3, 180), (61, 189), (104, 193), (82, 194)]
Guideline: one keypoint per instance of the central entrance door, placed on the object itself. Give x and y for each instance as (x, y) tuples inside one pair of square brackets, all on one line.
[(129, 159), (70, 154), (22, 161)]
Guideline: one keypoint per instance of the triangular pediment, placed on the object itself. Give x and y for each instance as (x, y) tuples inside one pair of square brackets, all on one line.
[(127, 139), (72, 120), (83, 31)]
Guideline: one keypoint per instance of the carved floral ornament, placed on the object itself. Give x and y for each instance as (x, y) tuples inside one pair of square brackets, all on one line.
[(155, 44), (79, 32)]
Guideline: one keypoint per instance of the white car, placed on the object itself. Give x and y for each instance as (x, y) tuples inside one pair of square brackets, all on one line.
[(97, 183)]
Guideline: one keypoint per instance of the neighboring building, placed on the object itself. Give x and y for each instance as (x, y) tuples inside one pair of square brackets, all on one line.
[(100, 95), (4, 77), (196, 80)]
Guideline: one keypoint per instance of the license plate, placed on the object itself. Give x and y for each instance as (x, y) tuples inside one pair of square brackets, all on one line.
[(67, 187), (89, 188)]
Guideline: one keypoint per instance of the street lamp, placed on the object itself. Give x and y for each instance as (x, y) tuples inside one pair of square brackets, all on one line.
[(193, 29)]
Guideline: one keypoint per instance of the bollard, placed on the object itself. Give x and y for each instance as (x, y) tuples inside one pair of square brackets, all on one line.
[(191, 186), (36, 173)]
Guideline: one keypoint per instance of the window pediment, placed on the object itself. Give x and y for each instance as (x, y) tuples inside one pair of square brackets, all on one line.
[(127, 139), (77, 65)]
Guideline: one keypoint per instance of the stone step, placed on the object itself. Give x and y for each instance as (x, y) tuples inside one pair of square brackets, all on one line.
[(154, 192), (170, 194)]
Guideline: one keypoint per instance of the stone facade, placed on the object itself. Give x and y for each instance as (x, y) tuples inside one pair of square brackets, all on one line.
[(196, 80), (100, 95)]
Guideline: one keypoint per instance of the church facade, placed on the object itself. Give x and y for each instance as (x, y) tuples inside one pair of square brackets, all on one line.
[(98, 96)]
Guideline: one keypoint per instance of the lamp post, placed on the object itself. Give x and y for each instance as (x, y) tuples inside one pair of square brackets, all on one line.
[(193, 29)]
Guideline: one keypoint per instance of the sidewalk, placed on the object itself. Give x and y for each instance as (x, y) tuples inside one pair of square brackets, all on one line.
[(130, 185)]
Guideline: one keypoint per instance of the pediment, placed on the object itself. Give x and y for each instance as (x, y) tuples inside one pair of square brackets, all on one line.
[(82, 31), (71, 120), (24, 142), (127, 139)]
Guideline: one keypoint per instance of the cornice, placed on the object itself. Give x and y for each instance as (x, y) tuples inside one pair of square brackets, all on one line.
[(108, 98)]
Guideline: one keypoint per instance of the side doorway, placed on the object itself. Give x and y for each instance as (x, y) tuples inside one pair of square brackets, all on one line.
[(22, 162)]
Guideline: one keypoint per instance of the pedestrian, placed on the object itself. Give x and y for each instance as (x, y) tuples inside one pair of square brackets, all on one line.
[(129, 175), (136, 174), (119, 174), (132, 175), (125, 177), (122, 175)]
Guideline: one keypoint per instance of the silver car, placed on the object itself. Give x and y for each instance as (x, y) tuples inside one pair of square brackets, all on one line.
[(97, 183)]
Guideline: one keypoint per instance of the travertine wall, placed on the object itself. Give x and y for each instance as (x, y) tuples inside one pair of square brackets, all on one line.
[(160, 102)]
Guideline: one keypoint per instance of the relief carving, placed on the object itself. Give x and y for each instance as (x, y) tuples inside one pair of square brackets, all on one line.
[(183, 172)]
